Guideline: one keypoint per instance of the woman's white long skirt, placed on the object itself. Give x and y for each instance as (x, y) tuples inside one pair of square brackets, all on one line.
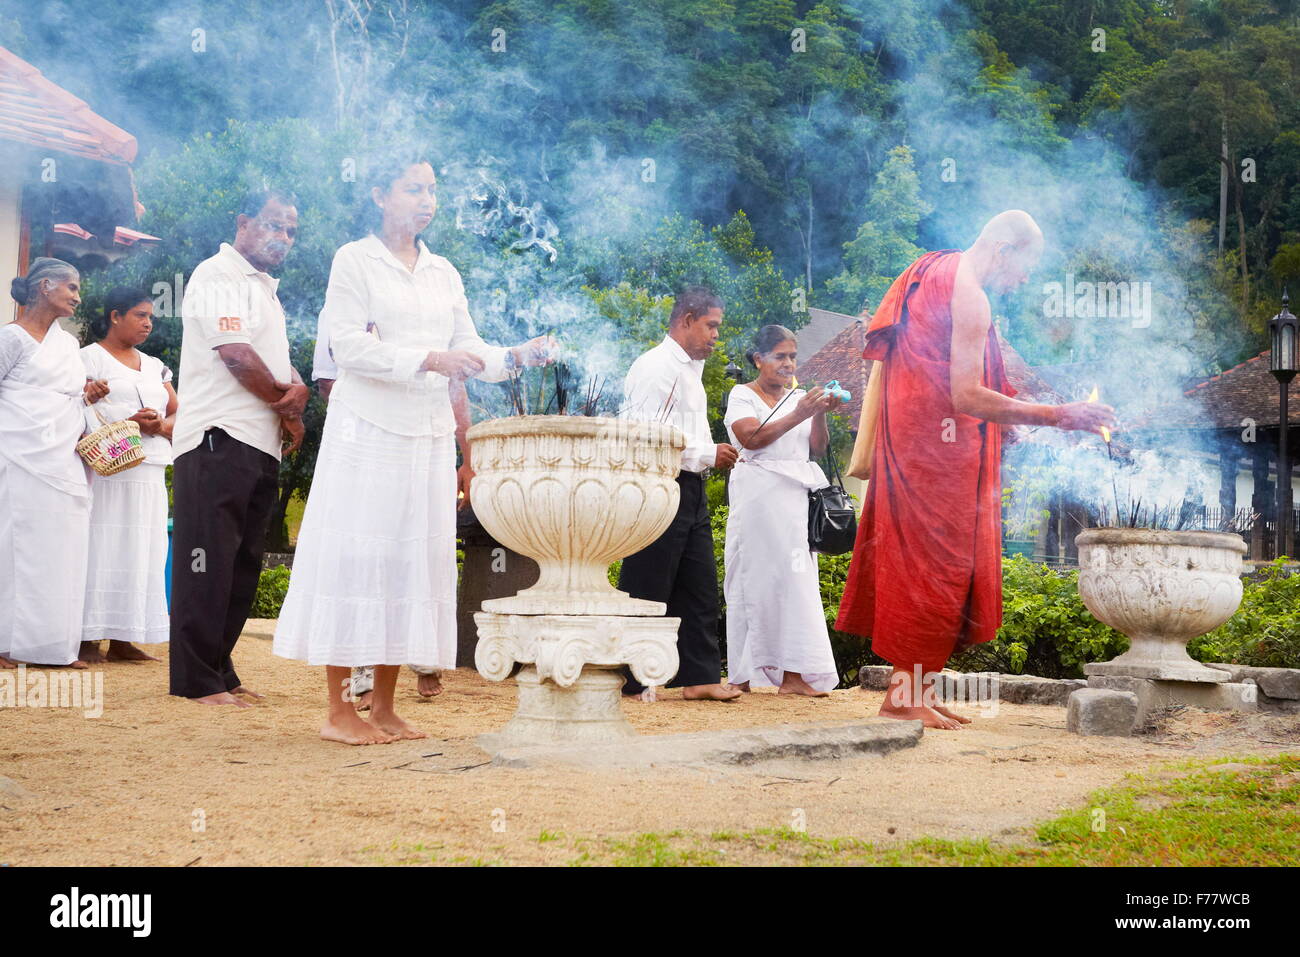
[(44, 535), (775, 619), (374, 574), (126, 583)]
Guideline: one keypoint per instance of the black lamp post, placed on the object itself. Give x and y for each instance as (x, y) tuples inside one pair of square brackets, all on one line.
[(1284, 363), (734, 373)]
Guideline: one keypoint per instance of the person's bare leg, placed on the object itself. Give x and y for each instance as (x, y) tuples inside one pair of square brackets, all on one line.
[(381, 705), (123, 651), (905, 700), (90, 653), (429, 686), (792, 683), (343, 724), (718, 692), (224, 697)]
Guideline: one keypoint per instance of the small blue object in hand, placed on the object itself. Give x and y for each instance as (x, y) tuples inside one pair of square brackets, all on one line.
[(833, 389)]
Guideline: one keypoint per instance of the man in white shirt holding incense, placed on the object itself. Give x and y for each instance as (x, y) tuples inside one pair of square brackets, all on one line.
[(666, 385)]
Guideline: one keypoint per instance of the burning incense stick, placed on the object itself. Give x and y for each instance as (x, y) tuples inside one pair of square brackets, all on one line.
[(1110, 455)]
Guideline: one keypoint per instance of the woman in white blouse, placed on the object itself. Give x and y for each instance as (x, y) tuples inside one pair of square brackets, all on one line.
[(126, 597), (374, 575), (44, 494), (776, 625)]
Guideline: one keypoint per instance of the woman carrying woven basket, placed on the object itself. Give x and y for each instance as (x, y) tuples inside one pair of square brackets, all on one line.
[(126, 599), (374, 576), (44, 493)]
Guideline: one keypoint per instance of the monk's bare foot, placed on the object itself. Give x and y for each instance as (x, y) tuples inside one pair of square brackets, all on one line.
[(354, 729), (794, 684), (429, 686), (124, 651), (6, 663), (395, 726), (952, 714), (247, 691), (224, 697), (90, 653), (718, 692), (927, 716), (363, 699)]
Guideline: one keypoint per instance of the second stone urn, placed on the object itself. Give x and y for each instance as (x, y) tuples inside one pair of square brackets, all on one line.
[(574, 494), (1161, 589)]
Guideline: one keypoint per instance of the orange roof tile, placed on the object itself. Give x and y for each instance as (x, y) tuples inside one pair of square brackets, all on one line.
[(40, 113)]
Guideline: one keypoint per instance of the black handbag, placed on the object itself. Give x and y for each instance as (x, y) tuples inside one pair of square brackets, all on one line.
[(832, 520)]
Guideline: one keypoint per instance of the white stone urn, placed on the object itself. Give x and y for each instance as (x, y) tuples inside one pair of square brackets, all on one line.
[(1161, 589), (574, 494)]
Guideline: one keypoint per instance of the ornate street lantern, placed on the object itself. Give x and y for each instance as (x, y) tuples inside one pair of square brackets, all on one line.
[(1284, 363)]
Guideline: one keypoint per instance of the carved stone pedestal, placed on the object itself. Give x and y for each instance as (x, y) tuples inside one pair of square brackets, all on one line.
[(570, 687), (1162, 589)]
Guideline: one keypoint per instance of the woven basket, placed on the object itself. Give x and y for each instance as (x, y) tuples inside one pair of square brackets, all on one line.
[(113, 447)]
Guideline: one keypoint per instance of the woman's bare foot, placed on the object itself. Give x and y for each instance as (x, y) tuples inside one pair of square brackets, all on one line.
[(123, 651), (79, 665), (927, 716), (90, 653), (952, 714), (363, 699), (351, 728), (429, 686), (223, 697), (792, 683), (247, 691), (743, 686), (395, 726), (718, 692)]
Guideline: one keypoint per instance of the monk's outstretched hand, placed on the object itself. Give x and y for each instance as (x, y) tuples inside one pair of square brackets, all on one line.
[(1085, 417)]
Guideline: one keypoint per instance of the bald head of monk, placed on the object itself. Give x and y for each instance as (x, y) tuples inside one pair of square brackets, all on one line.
[(1006, 251)]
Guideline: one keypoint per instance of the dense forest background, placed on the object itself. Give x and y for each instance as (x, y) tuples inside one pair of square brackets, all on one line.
[(595, 155)]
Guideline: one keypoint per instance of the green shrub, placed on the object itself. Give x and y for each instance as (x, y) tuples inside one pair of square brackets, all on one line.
[(1265, 631), (1046, 630), (272, 586)]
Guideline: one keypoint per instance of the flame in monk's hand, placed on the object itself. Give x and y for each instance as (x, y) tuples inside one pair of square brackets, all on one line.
[(1105, 432)]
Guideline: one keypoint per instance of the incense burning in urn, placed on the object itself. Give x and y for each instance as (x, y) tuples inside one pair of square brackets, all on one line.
[(574, 493), (1162, 589)]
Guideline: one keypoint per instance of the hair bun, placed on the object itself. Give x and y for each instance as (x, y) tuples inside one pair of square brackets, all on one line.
[(18, 289)]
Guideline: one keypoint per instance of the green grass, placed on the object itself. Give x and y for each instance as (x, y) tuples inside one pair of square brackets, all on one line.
[(1185, 814)]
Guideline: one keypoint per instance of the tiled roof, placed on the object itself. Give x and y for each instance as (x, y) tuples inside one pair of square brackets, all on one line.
[(1246, 391), (841, 359), (40, 113)]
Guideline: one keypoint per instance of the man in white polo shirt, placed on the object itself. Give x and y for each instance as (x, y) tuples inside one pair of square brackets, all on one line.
[(241, 403)]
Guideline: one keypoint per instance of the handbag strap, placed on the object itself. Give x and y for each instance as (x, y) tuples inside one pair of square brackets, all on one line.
[(834, 469), (99, 415)]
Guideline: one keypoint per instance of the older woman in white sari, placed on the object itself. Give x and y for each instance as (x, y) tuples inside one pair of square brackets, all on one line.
[(776, 626), (44, 492), (374, 575)]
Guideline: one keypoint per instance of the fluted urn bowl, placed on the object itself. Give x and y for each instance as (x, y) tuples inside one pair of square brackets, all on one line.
[(1162, 589), (574, 494)]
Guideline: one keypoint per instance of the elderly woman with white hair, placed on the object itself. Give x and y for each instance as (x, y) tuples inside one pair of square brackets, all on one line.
[(44, 493)]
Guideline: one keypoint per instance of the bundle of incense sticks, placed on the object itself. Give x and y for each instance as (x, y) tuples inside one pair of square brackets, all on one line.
[(669, 404), (595, 392)]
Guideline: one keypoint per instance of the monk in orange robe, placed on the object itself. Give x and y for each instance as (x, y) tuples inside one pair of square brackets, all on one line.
[(926, 576)]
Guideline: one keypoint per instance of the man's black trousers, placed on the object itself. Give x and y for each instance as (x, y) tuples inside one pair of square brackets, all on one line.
[(679, 569), (223, 495)]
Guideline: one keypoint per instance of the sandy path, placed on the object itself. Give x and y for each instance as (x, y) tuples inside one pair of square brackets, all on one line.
[(126, 788)]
